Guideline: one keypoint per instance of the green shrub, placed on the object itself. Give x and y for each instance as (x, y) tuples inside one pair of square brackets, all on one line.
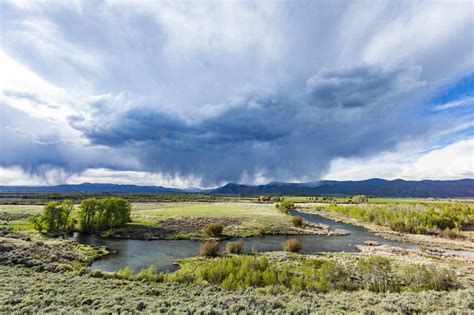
[(297, 221), (359, 199), (418, 218), (333, 276), (125, 273), (239, 272), (213, 229), (421, 278), (292, 245), (285, 206), (262, 232), (97, 273), (376, 274), (209, 248), (149, 274), (450, 233), (234, 247), (296, 274), (399, 226)]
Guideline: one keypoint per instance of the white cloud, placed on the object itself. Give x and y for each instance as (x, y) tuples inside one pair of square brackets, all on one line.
[(16, 176), (409, 34), (454, 161), (26, 91), (215, 27), (54, 176), (102, 175), (456, 103)]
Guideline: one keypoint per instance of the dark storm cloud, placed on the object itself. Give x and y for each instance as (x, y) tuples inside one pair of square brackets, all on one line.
[(279, 137), (255, 119), (355, 87), (136, 125)]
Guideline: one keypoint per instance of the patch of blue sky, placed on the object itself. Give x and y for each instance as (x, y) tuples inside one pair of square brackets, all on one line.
[(455, 95)]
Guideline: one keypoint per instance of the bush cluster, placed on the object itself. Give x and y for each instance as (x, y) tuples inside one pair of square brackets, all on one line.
[(358, 199), (213, 229), (149, 274), (378, 275), (285, 206), (269, 199), (297, 221), (234, 247), (292, 245), (375, 274), (209, 248), (444, 220)]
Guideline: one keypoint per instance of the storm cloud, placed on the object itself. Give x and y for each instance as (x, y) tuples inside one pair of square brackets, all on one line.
[(220, 92), (266, 134)]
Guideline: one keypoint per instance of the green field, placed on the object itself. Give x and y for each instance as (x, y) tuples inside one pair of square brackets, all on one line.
[(383, 200), (239, 218), (199, 209), (15, 217)]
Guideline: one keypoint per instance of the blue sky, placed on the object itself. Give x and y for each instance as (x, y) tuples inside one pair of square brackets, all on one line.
[(181, 93)]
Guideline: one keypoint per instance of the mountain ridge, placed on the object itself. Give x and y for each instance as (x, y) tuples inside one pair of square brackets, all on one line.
[(372, 187)]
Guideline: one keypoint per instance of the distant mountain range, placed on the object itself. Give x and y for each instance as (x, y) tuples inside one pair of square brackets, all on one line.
[(371, 187), (93, 188)]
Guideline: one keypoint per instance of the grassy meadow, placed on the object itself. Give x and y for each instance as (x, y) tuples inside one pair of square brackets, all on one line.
[(180, 219), (51, 275)]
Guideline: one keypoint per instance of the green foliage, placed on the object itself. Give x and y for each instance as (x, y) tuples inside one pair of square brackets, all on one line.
[(97, 215), (285, 206), (28, 291), (87, 213), (54, 218), (297, 221), (359, 199), (209, 248), (333, 276), (378, 275), (421, 278), (149, 274), (418, 218), (238, 272), (268, 199), (292, 245), (234, 247), (376, 272), (125, 273), (213, 229)]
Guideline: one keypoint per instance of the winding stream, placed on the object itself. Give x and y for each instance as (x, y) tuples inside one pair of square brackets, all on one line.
[(139, 254)]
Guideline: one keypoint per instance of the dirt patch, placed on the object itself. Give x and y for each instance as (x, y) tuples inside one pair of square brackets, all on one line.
[(169, 228), (310, 228)]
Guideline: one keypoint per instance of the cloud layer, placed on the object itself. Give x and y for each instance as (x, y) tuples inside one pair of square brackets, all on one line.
[(187, 94)]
